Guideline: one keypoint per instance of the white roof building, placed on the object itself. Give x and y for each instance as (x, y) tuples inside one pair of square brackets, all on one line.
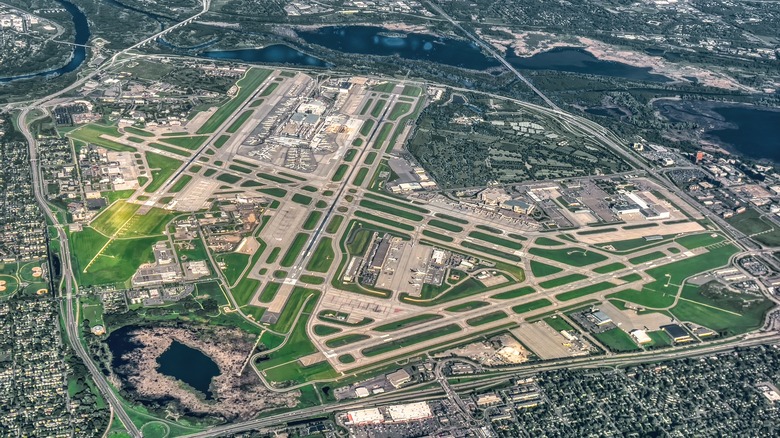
[(640, 336), (365, 416), (409, 412)]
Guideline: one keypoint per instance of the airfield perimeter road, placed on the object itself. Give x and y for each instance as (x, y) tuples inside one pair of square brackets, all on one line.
[(69, 314)]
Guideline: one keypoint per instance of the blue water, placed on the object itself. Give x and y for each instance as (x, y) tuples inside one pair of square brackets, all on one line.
[(189, 365), (274, 54), (756, 132), (374, 40), (79, 54), (575, 60)]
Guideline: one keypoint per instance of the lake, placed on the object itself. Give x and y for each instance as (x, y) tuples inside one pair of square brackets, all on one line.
[(378, 41), (179, 361), (576, 60), (274, 54), (754, 132), (79, 53)]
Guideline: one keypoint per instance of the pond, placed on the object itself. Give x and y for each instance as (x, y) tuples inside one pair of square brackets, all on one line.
[(189, 365)]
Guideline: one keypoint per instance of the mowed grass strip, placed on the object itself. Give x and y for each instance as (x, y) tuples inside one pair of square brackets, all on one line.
[(161, 168), (487, 318), (445, 225), (274, 178), (312, 220), (649, 257), (110, 220), (338, 175), (170, 149), (91, 133), (606, 269), (390, 210), (540, 269), (180, 183), (490, 238), (381, 220), (345, 340), (191, 142), (531, 305), (408, 322), (360, 177), (294, 250), (236, 125), (247, 86), (437, 236), (451, 218), (490, 251), (334, 224), (516, 293), (571, 256), (560, 281), (396, 201), (411, 340), (323, 256), (587, 290)]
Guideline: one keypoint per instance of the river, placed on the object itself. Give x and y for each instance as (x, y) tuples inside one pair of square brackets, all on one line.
[(79, 53)]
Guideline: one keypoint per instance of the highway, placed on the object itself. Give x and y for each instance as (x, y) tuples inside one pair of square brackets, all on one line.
[(68, 306)]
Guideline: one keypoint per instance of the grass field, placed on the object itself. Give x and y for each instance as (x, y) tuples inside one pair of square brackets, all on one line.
[(381, 220), (411, 91), (338, 175), (390, 210), (334, 224), (377, 110), (312, 220), (465, 307), (301, 199), (91, 133), (180, 183), (235, 263), (247, 86), (452, 219), (606, 269), (294, 250), (322, 257), (532, 305), (437, 236), (395, 201), (540, 269), (445, 225), (191, 142), (113, 218), (116, 264), (728, 315), (587, 290), (345, 340), (366, 128), (381, 137), (570, 256), (487, 318), (273, 191), (138, 131), (219, 142), (325, 330), (161, 168), (399, 109), (511, 244), (655, 255), (544, 241), (274, 178), (360, 177), (408, 322), (616, 340), (491, 251), (516, 293), (396, 344)]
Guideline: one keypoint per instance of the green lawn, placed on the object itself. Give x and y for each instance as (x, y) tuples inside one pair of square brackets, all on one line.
[(540, 269), (544, 241), (334, 224), (116, 264), (465, 307), (606, 269), (161, 168), (366, 128), (391, 210), (445, 225), (381, 220), (396, 201), (616, 340), (273, 191), (111, 220), (137, 131), (570, 256), (322, 257), (532, 305), (269, 292), (437, 236), (338, 175), (490, 251), (325, 330), (655, 255), (516, 293), (228, 178), (219, 142), (360, 177), (294, 250), (487, 318), (560, 281), (180, 183), (511, 244), (191, 142), (586, 290), (247, 86), (378, 107), (399, 109), (91, 133), (341, 341), (396, 344), (312, 220), (452, 218), (235, 263)]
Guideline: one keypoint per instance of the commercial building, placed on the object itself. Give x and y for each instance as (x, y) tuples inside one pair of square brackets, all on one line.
[(409, 412), (365, 416), (677, 333), (399, 378), (640, 336)]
